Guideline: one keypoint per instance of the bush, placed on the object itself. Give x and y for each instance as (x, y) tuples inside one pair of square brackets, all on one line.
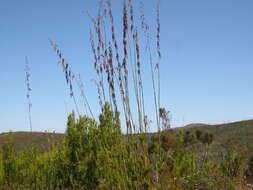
[(249, 171), (188, 138), (250, 164), (204, 137), (9, 162), (183, 163), (231, 165)]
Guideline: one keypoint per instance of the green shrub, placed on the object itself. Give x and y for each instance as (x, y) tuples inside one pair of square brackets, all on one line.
[(250, 164), (1, 171), (249, 170), (231, 165), (183, 163), (204, 137), (9, 162), (188, 138)]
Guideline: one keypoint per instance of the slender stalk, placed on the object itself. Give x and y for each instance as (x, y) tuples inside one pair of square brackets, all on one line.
[(145, 28), (85, 100), (158, 47), (69, 75), (118, 69), (136, 68), (28, 90)]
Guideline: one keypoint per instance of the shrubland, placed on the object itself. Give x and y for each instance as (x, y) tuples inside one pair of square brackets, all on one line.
[(116, 150)]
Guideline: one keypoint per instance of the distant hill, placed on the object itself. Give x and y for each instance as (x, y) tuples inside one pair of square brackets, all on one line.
[(236, 135), (194, 125), (24, 140), (229, 136)]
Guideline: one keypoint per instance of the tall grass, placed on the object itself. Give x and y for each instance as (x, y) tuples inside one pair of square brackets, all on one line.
[(69, 75), (28, 90), (118, 59)]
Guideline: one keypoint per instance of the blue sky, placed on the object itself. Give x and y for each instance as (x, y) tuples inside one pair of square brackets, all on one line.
[(206, 68)]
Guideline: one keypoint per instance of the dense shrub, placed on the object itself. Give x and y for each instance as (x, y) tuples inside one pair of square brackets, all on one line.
[(231, 165), (250, 164), (183, 163), (188, 138), (96, 155), (9, 162), (204, 137), (249, 170)]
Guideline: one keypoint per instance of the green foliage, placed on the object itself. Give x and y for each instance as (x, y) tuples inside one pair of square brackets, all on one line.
[(251, 163), (169, 141), (1, 171), (183, 163), (210, 177), (231, 164), (9, 162), (96, 155), (204, 137), (198, 134), (249, 171), (188, 138)]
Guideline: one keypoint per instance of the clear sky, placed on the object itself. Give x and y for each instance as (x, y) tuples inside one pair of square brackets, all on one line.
[(207, 59)]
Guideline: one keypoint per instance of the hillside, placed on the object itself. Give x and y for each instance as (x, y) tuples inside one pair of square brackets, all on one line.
[(203, 170), (24, 140), (236, 135)]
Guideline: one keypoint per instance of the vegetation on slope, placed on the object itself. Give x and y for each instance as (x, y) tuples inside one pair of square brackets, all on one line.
[(93, 156), (236, 135)]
